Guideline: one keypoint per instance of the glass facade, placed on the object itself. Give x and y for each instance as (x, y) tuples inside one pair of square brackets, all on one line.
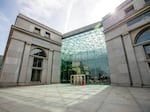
[(84, 53)]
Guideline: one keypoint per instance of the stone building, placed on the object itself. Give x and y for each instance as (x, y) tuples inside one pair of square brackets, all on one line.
[(32, 54), (127, 35)]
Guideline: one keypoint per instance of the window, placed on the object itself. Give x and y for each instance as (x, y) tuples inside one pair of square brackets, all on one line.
[(129, 9), (37, 62), (37, 30), (144, 36), (149, 64), (147, 0), (147, 51), (36, 75), (38, 57), (47, 34), (139, 18), (38, 52)]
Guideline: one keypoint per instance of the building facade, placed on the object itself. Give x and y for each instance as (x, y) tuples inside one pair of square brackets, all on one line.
[(127, 35), (84, 51), (32, 54)]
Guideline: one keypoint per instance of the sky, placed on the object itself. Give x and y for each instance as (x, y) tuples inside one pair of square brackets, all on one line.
[(61, 15)]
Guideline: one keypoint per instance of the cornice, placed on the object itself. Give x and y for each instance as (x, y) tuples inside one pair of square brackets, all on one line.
[(128, 18), (35, 35), (39, 24)]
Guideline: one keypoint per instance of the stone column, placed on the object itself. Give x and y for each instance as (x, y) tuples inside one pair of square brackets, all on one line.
[(49, 67), (132, 61), (117, 62), (24, 65), (56, 67), (44, 71)]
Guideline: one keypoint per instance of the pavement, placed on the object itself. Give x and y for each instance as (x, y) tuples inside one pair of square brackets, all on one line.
[(71, 98)]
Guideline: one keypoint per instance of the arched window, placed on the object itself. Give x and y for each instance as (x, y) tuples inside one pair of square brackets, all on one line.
[(38, 52), (38, 55), (144, 36)]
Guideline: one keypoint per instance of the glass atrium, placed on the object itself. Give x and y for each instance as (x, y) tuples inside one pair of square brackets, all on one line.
[(85, 53)]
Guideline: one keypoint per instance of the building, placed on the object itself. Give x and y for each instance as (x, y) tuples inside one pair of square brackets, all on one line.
[(84, 51), (32, 54), (127, 35)]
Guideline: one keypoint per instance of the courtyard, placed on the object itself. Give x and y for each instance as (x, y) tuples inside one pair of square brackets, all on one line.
[(71, 98)]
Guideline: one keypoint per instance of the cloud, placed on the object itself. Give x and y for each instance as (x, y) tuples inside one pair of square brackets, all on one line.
[(81, 14), (3, 17), (45, 11), (66, 15), (62, 15), (39, 8), (69, 10), (4, 22), (4, 29), (85, 12)]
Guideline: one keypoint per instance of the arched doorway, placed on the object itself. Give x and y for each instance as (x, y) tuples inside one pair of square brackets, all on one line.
[(38, 57)]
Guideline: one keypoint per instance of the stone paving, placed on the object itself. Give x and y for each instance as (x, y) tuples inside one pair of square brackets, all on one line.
[(70, 98)]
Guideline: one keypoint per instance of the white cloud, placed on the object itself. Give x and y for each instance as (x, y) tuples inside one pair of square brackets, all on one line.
[(39, 8), (4, 29), (85, 12), (3, 22), (66, 15), (69, 10), (81, 14), (45, 11), (3, 17)]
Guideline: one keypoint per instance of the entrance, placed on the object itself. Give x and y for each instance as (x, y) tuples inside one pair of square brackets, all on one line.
[(85, 53)]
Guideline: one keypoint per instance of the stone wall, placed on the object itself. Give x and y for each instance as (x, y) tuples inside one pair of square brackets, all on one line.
[(127, 60), (18, 60)]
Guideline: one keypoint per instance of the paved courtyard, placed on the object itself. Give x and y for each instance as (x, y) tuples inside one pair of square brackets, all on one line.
[(69, 98)]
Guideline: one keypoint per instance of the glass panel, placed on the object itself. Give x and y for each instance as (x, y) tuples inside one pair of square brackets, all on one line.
[(145, 36), (47, 34), (84, 53), (37, 30), (36, 75), (129, 9), (38, 52), (147, 0), (147, 51), (139, 18), (37, 62)]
